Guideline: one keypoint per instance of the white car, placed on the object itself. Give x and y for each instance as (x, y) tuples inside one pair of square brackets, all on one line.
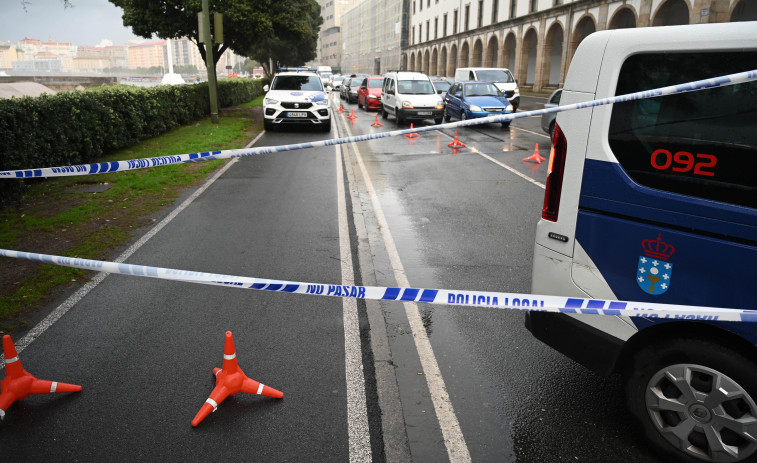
[(296, 97)]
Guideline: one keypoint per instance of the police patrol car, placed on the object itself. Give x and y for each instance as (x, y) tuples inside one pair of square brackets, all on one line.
[(656, 200), (296, 97)]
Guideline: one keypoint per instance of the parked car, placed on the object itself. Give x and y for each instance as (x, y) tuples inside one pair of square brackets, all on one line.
[(369, 93), (353, 86), (441, 86), (472, 99), (636, 189), (548, 120), (410, 96), (501, 77), (336, 82), (344, 88)]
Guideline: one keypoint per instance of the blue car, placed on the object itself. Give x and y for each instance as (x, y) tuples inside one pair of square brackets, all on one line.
[(469, 100)]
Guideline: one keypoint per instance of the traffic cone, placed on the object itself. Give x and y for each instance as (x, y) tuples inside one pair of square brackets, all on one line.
[(352, 115), (411, 135), (341, 110), (377, 123), (231, 380), (535, 157), (19, 384), (456, 143)]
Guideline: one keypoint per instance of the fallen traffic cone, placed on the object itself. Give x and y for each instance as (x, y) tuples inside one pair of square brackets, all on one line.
[(411, 135), (535, 157), (352, 115), (19, 384), (377, 123), (231, 380), (456, 143), (341, 110)]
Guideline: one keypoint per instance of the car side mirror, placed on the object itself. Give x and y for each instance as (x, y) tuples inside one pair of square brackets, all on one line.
[(265, 88)]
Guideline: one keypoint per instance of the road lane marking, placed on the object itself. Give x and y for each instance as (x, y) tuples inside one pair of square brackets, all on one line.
[(457, 449), (72, 300), (358, 432)]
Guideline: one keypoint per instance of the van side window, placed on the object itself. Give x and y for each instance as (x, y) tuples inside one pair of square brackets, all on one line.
[(701, 143)]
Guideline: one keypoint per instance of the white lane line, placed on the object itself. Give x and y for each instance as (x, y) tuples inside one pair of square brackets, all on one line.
[(457, 449), (502, 164), (357, 412), (72, 300)]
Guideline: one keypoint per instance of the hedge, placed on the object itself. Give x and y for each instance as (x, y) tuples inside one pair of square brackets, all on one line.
[(78, 127)]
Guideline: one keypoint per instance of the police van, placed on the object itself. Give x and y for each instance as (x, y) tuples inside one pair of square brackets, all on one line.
[(656, 200), (296, 97)]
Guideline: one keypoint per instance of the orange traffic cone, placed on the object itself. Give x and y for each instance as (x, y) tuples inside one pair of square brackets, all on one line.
[(456, 143), (341, 110), (352, 115), (535, 157), (231, 380), (412, 135), (19, 384), (377, 123)]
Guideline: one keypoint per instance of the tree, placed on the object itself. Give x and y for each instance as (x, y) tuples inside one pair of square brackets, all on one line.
[(245, 22)]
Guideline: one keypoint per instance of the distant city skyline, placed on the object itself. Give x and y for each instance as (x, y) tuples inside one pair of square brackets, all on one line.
[(86, 23)]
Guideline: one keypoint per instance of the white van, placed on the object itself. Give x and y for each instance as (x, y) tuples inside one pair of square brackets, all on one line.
[(410, 96), (501, 77), (655, 200)]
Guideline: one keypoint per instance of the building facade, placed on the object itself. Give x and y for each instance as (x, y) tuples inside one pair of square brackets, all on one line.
[(329, 47), (373, 33), (536, 39)]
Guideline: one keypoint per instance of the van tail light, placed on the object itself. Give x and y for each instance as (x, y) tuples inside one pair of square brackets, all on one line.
[(555, 175)]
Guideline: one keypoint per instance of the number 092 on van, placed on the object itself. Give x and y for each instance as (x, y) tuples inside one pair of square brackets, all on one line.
[(656, 200)]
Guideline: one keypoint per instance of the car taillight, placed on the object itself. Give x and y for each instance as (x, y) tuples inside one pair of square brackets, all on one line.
[(555, 175)]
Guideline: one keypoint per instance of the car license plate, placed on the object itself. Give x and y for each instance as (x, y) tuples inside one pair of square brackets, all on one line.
[(296, 114), (424, 113)]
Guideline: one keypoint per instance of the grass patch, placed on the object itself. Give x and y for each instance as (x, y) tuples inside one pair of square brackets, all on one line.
[(58, 216)]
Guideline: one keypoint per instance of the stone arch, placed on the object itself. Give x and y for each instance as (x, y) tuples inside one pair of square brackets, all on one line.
[(624, 18), (411, 62), (403, 61), (508, 51), (433, 67), (744, 10), (492, 52), (464, 52), (583, 29), (477, 57), (425, 64), (443, 61), (552, 55), (418, 62), (452, 60), (528, 56), (672, 13)]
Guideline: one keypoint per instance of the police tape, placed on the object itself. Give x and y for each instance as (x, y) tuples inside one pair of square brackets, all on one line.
[(121, 166), (485, 299)]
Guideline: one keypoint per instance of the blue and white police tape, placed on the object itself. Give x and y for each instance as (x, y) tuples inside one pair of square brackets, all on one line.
[(491, 300), (119, 166)]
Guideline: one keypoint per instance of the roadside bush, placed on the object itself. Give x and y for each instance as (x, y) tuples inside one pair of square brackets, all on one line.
[(78, 127)]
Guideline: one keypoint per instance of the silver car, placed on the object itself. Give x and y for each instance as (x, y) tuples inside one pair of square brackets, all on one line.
[(548, 120)]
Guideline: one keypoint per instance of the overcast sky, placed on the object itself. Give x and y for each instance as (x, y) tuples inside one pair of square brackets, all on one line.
[(88, 22)]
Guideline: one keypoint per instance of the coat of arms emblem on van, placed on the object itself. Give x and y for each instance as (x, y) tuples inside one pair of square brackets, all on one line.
[(654, 271)]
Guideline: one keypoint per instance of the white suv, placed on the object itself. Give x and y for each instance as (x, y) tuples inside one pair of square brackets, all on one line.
[(296, 96)]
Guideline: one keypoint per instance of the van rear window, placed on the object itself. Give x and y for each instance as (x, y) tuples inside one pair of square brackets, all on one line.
[(701, 143)]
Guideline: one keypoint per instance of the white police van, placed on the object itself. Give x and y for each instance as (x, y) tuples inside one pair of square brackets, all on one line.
[(656, 200), (296, 97)]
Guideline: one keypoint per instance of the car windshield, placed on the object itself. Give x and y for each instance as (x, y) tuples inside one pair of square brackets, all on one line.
[(415, 87), (375, 83), (310, 83), (495, 75), (337, 79), (481, 89), (442, 85)]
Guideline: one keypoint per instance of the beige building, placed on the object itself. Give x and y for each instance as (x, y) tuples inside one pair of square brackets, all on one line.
[(147, 55), (373, 36), (7, 55), (536, 39)]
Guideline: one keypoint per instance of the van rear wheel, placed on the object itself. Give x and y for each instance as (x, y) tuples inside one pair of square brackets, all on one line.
[(695, 400)]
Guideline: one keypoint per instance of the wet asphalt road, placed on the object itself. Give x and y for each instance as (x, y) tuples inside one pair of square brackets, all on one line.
[(144, 349)]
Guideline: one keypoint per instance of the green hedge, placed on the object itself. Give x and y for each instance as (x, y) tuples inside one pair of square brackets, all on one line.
[(78, 127)]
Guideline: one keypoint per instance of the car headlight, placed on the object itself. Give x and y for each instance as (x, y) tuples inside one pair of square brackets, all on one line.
[(323, 102), (516, 92), (440, 105), (407, 105), (474, 108), (371, 97), (271, 101), (509, 107)]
